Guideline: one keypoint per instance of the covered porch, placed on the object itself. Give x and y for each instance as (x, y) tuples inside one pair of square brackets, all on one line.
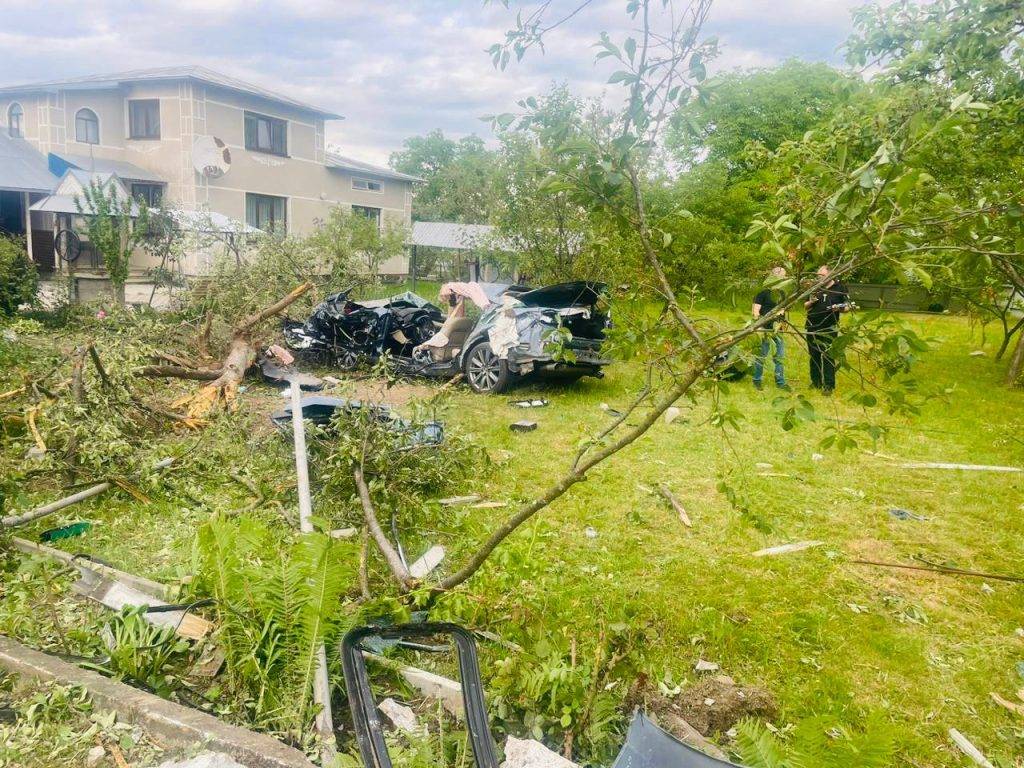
[(25, 179)]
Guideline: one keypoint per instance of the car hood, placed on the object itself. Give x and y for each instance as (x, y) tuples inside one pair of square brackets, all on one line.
[(563, 295)]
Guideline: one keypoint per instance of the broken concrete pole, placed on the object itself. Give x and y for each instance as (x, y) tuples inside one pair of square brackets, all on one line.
[(116, 595), (527, 753), (400, 716)]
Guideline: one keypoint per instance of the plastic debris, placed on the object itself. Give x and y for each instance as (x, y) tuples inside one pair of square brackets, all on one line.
[(523, 426), (539, 403), (905, 514), (65, 531), (427, 562), (648, 746)]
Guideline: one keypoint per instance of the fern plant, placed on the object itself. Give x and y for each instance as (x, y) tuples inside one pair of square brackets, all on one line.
[(817, 742), (277, 602)]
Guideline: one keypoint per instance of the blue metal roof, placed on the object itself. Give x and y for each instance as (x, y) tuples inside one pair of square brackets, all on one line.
[(23, 167)]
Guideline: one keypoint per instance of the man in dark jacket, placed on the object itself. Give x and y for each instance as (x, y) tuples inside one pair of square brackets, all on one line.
[(823, 310)]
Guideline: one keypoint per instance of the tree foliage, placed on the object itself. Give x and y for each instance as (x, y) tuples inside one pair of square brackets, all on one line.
[(19, 280), (114, 224), (458, 176)]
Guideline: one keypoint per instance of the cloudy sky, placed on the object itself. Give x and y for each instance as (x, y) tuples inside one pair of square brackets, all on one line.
[(394, 68)]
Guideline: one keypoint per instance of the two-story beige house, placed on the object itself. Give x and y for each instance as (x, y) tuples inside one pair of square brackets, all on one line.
[(191, 138)]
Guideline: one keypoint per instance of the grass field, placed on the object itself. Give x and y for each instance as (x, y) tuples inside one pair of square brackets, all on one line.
[(824, 635)]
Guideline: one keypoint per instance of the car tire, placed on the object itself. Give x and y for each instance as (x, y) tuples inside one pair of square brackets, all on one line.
[(486, 373)]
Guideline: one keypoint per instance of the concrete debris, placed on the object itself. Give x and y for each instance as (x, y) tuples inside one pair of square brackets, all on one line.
[(442, 689), (964, 745), (978, 353), (527, 753), (540, 403), (784, 549), (523, 426), (94, 755), (671, 414), (204, 760), (344, 533), (428, 561), (817, 457), (590, 532), (400, 716), (705, 666), (987, 589), (458, 501)]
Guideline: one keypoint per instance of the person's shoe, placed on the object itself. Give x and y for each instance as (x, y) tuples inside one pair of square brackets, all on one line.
[(784, 387), (758, 386)]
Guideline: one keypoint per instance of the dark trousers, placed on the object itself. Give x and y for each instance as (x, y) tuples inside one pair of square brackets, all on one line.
[(823, 365)]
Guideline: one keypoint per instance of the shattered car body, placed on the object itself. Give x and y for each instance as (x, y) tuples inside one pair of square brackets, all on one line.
[(558, 328), (343, 332)]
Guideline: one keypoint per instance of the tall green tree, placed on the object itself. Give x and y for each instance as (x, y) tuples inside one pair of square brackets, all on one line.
[(115, 226), (457, 176), (766, 106)]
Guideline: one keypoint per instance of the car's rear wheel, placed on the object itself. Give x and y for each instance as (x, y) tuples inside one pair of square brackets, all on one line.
[(485, 371)]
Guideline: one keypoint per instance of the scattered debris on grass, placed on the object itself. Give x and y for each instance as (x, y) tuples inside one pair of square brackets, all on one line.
[(906, 514), (963, 467), (458, 501), (427, 562), (785, 549), (676, 504), (715, 704), (523, 426), (527, 753), (538, 403), (401, 717), (935, 568), (964, 745)]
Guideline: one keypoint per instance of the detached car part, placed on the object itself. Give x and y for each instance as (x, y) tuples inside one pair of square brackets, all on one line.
[(648, 746), (320, 410), (365, 718)]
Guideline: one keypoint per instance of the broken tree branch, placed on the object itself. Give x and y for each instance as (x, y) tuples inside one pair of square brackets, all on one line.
[(949, 571), (391, 556), (99, 365), (676, 505), (180, 372), (255, 319), (576, 474)]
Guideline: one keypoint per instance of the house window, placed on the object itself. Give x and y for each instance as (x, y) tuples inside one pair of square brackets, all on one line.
[(367, 186), (16, 121), (373, 214), (149, 194), (144, 119), (87, 127), (266, 212), (266, 134)]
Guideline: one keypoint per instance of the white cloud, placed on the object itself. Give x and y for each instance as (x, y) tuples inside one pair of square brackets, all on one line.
[(394, 68)]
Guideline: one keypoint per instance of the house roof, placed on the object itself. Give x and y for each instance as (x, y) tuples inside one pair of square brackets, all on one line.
[(121, 168), (22, 167), (190, 72), (459, 237), (358, 166)]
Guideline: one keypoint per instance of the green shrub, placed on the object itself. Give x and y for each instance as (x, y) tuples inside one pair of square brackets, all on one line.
[(18, 277)]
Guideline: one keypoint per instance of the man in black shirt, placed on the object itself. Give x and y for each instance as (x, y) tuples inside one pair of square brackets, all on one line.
[(823, 310), (765, 302)]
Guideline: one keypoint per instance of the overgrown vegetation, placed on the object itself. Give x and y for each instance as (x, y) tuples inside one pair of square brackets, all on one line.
[(19, 280)]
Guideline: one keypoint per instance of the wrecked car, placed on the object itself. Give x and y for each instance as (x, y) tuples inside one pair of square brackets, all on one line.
[(516, 331), (344, 332), (558, 328)]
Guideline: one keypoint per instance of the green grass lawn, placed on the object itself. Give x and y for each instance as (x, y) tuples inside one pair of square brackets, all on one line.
[(824, 635)]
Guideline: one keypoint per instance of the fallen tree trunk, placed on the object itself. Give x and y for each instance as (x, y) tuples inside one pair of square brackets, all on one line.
[(224, 381)]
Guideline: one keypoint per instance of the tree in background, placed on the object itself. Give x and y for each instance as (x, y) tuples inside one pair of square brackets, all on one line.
[(19, 280), (348, 242), (765, 106), (114, 225), (458, 176)]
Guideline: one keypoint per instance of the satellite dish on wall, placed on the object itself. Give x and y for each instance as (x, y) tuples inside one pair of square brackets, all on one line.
[(210, 157)]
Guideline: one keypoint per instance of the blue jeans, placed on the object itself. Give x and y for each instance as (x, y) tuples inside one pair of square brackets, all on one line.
[(780, 351)]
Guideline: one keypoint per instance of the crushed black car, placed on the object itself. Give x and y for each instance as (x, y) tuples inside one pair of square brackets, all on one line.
[(513, 331), (343, 332)]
